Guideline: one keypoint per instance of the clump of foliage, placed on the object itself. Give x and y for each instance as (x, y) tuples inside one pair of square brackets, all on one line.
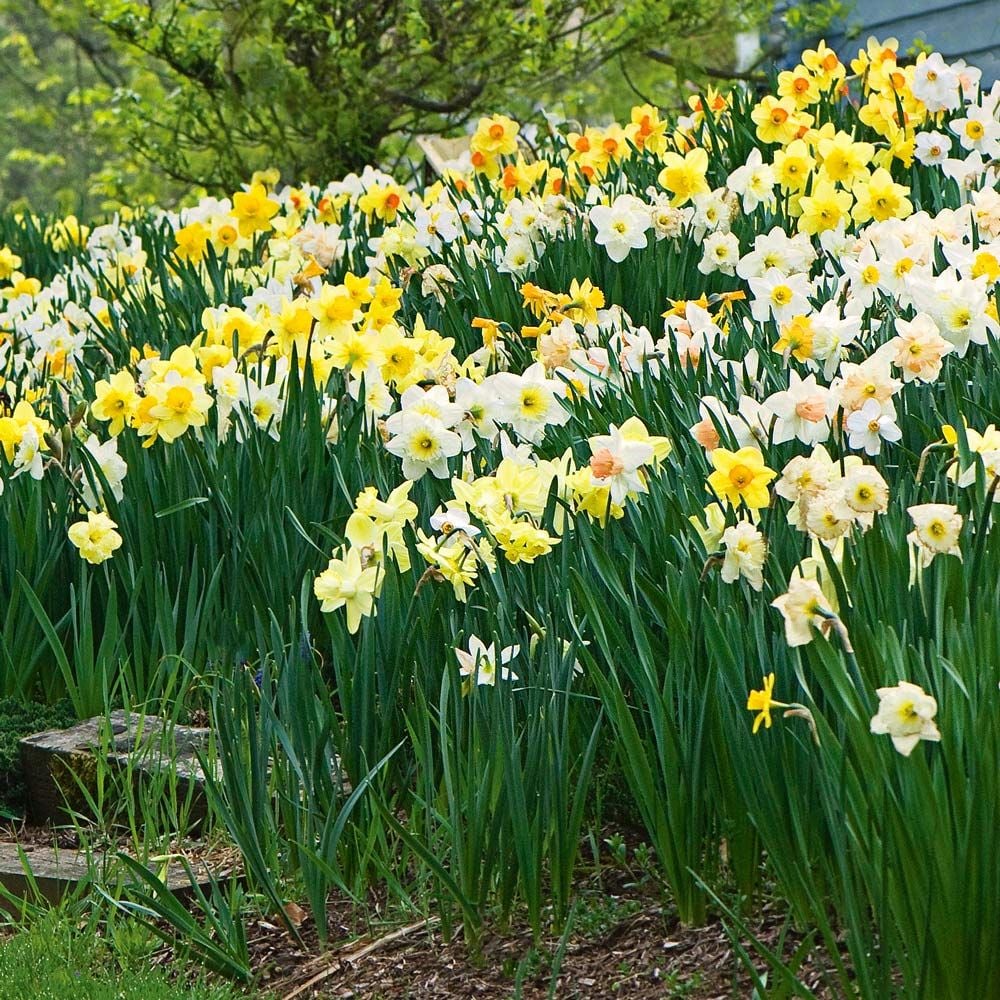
[(17, 720)]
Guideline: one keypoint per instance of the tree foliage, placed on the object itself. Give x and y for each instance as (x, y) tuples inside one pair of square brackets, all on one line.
[(200, 93)]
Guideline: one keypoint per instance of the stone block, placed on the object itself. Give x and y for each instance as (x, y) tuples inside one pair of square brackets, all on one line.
[(58, 762)]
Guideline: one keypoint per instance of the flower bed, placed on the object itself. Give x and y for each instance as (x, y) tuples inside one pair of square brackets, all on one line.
[(539, 470)]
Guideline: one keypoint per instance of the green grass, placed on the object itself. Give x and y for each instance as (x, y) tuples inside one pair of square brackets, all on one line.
[(54, 961)]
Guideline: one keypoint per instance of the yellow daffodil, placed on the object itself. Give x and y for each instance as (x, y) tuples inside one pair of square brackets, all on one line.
[(96, 537), (741, 477)]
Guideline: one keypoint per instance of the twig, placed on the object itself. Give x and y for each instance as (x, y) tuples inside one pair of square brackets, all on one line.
[(360, 953)]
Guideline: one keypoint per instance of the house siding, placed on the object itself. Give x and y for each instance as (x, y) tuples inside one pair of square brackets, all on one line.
[(968, 30)]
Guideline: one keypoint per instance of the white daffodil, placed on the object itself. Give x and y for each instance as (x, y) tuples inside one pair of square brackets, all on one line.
[(621, 226), (425, 445), (936, 529), (871, 425), (745, 552), (479, 662), (112, 467), (905, 713)]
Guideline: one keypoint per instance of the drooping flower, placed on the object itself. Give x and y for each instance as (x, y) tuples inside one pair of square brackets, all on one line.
[(113, 468), (710, 527), (802, 607), (347, 583)]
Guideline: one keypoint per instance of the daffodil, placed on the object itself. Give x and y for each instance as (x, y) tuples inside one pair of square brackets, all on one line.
[(253, 210), (936, 529), (615, 462), (803, 606), (880, 198), (906, 714), (684, 175), (745, 551), (823, 208), (481, 664), (762, 702), (9, 262), (621, 227), (176, 403), (425, 445), (347, 583), (519, 539), (96, 538), (741, 477)]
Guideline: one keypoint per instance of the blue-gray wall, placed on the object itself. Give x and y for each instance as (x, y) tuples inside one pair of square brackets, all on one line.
[(969, 30)]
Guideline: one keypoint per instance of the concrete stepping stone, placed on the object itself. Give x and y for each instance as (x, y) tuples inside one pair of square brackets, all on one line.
[(56, 872), (57, 762)]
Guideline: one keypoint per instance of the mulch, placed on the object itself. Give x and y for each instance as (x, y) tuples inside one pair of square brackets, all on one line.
[(645, 955), (637, 949)]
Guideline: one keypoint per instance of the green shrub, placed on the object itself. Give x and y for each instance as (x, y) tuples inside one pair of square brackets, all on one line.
[(17, 720)]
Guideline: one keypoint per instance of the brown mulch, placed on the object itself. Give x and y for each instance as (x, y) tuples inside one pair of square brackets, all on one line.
[(29, 835), (642, 954)]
